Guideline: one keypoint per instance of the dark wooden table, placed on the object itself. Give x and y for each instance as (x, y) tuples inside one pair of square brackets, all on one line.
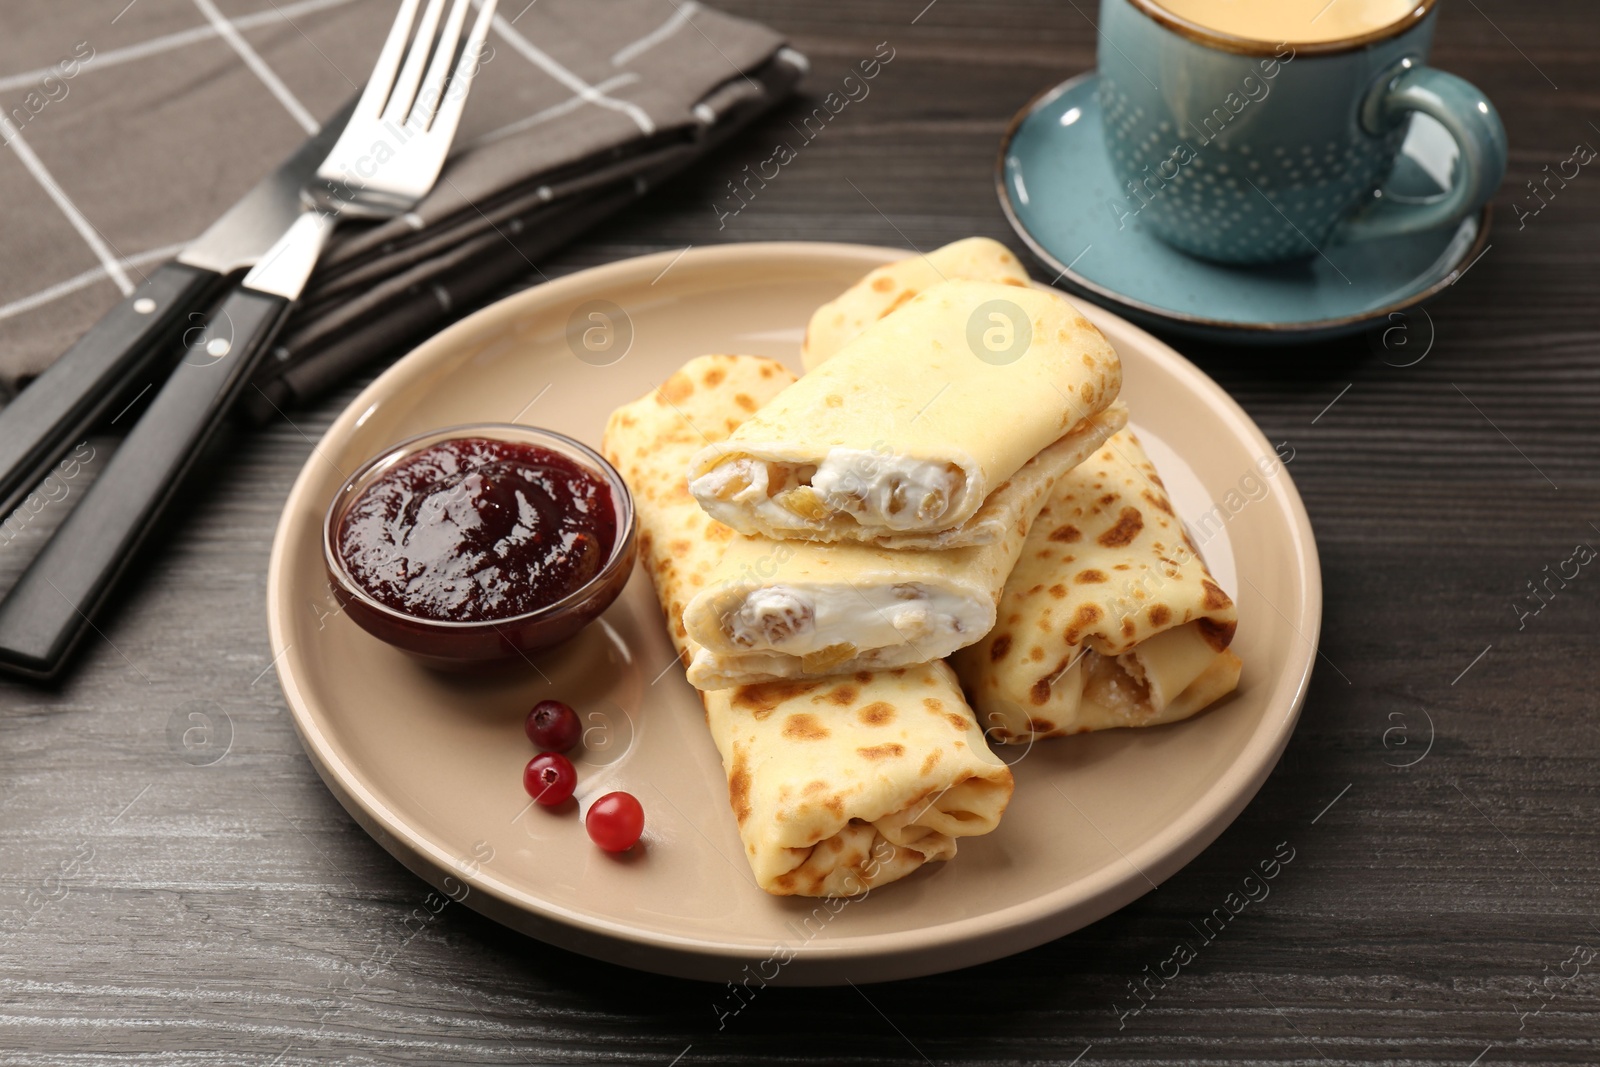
[(1445, 912)]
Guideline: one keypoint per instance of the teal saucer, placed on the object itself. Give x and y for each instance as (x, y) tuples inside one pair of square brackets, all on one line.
[(1057, 189)]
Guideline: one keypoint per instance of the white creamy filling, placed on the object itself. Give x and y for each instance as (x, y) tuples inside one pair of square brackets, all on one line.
[(798, 622), (894, 492)]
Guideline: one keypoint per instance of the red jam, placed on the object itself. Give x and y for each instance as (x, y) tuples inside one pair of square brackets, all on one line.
[(474, 529)]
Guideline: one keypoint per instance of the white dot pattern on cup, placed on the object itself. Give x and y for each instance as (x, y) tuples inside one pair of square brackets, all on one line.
[(1243, 203)]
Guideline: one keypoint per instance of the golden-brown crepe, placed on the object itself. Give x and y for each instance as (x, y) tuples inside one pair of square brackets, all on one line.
[(973, 259), (1110, 617), (902, 436), (840, 784), (788, 609)]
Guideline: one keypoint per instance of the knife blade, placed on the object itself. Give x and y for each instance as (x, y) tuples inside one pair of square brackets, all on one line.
[(247, 230), (62, 404)]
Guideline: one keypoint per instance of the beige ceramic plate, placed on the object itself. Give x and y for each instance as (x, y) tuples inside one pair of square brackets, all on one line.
[(430, 764)]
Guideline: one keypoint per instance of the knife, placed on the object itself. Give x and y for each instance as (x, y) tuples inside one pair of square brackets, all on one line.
[(57, 408)]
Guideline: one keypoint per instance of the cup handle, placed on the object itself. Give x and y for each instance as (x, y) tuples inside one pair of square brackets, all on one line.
[(1463, 110)]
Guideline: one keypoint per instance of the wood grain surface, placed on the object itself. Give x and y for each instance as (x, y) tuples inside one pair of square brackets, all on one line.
[(1445, 912)]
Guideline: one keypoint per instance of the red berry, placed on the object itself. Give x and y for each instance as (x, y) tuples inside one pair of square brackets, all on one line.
[(553, 726), (615, 822), (549, 778)]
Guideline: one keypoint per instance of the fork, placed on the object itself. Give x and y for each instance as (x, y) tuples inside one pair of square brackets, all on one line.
[(387, 158)]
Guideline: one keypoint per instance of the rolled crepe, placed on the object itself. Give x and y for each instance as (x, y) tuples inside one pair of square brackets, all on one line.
[(974, 259), (787, 609), (901, 437), (1110, 617), (838, 785)]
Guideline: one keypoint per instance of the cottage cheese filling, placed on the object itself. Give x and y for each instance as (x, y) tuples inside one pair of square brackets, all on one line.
[(892, 492), (801, 622)]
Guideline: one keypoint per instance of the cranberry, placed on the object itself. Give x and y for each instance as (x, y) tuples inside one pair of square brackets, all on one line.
[(549, 778), (553, 726), (615, 822)]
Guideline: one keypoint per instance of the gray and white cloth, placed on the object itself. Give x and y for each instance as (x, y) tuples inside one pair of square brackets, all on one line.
[(124, 140)]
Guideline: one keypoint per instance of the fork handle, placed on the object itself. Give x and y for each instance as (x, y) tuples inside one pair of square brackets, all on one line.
[(59, 406), (55, 600)]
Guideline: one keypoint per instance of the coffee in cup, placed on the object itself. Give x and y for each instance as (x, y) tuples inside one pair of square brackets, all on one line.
[(1293, 22)]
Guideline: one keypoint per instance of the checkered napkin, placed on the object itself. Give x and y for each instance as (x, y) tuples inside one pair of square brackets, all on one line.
[(127, 138)]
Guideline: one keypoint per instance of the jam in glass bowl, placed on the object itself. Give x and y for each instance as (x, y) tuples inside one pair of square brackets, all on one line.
[(479, 544)]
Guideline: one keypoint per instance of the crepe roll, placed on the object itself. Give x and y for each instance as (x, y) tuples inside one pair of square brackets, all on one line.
[(789, 609), (974, 259), (901, 437), (1110, 618), (837, 785)]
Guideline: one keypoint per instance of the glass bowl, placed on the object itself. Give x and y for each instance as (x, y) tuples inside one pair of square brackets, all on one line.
[(488, 641)]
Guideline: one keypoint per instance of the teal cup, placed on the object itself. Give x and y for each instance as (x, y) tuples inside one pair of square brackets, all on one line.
[(1239, 151)]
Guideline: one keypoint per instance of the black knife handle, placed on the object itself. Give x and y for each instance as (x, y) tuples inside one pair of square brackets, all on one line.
[(54, 601), (57, 408)]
